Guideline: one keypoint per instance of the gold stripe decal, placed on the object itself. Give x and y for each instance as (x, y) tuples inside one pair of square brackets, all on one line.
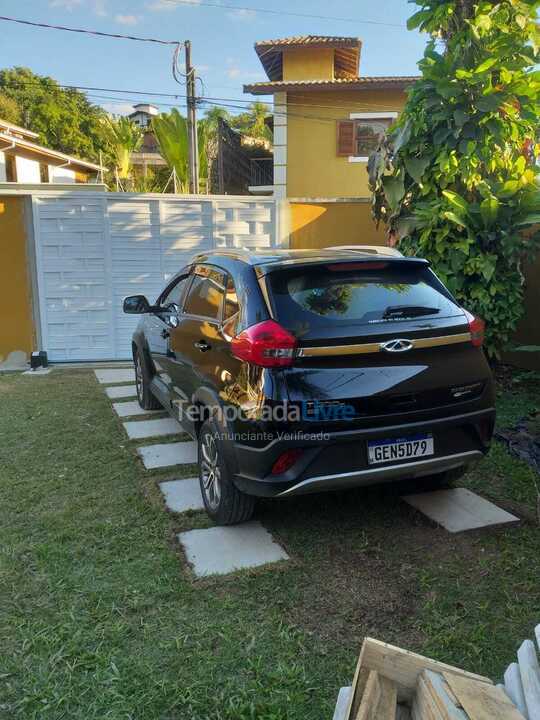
[(365, 348)]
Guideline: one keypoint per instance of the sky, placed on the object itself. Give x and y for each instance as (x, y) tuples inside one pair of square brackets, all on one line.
[(222, 41)]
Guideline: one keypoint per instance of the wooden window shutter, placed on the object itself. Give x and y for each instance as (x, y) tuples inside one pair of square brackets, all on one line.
[(345, 137)]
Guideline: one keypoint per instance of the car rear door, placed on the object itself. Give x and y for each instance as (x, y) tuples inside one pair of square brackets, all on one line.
[(381, 338)]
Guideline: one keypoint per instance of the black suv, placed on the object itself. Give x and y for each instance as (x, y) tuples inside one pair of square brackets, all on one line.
[(302, 371)]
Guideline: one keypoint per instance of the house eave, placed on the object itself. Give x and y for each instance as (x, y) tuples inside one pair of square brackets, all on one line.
[(363, 83)]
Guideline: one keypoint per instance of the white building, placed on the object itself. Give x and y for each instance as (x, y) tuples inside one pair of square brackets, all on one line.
[(22, 160), (143, 114)]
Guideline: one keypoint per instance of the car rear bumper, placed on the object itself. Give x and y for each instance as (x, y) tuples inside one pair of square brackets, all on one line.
[(339, 460), (372, 476)]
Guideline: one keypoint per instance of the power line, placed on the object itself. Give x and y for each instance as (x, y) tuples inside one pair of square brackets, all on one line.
[(222, 6), (347, 105), (84, 31)]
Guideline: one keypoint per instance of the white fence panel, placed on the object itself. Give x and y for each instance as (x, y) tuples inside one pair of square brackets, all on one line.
[(93, 249)]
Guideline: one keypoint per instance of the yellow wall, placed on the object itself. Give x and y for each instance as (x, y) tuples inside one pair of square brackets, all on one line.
[(16, 326), (314, 169), (318, 225), (308, 64)]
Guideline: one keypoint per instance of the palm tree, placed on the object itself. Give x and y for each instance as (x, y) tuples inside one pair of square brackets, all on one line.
[(258, 112), (171, 132), (252, 122), (123, 137), (212, 117)]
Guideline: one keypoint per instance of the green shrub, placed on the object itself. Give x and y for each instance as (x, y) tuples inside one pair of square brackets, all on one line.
[(455, 179)]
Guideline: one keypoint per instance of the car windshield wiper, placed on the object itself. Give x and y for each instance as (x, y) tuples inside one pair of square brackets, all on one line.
[(402, 311)]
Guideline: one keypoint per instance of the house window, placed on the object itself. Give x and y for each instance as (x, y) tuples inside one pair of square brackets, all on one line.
[(44, 173), (359, 136), (11, 168), (368, 134)]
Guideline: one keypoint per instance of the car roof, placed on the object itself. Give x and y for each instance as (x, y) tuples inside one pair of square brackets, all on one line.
[(268, 259)]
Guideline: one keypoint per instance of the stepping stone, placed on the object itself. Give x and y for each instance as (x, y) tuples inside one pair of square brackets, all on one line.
[(221, 550), (166, 454), (152, 428), (116, 375), (182, 495), (459, 509), (38, 371), (130, 409), (122, 391)]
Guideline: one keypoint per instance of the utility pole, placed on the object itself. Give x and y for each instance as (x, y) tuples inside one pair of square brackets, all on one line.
[(191, 123)]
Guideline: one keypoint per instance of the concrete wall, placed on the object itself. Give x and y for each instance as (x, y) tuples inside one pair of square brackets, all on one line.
[(308, 64), (323, 224), (16, 336), (314, 169)]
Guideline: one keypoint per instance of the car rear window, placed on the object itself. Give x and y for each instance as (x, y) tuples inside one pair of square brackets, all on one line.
[(385, 292)]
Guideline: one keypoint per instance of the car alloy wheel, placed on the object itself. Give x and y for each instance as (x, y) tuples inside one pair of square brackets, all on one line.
[(139, 378), (211, 472)]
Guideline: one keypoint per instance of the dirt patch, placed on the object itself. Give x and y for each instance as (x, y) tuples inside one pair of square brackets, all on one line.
[(361, 574)]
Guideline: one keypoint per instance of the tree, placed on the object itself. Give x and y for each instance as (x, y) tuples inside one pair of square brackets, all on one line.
[(65, 119), (9, 110), (170, 130), (122, 137), (253, 122), (212, 116), (455, 178)]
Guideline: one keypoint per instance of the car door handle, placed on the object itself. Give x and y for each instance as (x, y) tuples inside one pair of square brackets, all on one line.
[(165, 333), (202, 345)]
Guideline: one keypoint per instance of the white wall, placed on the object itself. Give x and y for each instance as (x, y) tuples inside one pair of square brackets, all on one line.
[(94, 248), (61, 174), (2, 167), (27, 170)]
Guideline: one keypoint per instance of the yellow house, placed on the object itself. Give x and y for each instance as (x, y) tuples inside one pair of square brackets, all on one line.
[(327, 120)]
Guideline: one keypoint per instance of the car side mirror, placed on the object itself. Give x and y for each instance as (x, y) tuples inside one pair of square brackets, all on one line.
[(136, 305)]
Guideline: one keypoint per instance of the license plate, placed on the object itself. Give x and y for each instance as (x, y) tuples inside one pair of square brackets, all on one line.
[(407, 448)]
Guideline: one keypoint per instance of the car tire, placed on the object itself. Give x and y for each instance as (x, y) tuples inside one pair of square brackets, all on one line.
[(223, 502), (142, 381)]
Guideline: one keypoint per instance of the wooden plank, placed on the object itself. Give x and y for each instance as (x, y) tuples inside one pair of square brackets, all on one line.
[(424, 705), (514, 688), (357, 690), (404, 667), (443, 697), (530, 678), (370, 698), (387, 706), (482, 701), (379, 701)]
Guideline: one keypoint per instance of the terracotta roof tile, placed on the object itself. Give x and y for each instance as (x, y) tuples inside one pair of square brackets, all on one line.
[(311, 40), (265, 87)]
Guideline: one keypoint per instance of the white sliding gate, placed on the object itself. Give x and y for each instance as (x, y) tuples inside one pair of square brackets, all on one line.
[(94, 248)]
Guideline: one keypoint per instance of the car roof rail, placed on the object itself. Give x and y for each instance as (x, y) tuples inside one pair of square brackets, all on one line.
[(371, 249)]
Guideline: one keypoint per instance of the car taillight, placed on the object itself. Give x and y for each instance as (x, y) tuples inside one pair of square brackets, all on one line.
[(286, 460), (266, 344), (477, 328)]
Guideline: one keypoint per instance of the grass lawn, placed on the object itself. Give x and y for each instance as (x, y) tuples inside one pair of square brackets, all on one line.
[(100, 617)]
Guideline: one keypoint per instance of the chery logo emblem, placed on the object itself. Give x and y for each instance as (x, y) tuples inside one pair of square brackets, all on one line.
[(397, 346)]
